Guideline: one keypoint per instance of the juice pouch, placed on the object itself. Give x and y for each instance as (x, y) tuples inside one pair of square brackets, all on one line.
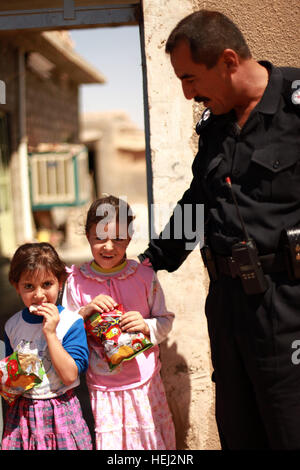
[(118, 346), (19, 373)]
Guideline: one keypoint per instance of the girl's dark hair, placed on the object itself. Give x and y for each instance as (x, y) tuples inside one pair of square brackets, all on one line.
[(109, 208), (208, 34), (31, 257)]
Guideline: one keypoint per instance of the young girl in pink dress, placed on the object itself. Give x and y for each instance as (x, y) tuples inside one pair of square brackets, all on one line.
[(129, 403)]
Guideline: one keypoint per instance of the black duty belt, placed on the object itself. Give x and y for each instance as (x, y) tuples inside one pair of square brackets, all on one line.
[(272, 263)]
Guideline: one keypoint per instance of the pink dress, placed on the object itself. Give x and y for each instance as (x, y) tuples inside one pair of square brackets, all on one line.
[(129, 403)]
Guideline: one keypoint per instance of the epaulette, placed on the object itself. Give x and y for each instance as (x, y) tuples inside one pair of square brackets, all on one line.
[(204, 120)]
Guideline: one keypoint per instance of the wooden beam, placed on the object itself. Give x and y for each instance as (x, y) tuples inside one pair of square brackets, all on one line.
[(69, 10), (46, 4), (53, 18)]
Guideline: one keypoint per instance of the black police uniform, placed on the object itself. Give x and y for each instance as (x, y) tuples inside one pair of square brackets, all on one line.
[(252, 337)]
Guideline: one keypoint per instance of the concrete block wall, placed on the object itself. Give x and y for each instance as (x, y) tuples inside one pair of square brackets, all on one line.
[(9, 74), (51, 109)]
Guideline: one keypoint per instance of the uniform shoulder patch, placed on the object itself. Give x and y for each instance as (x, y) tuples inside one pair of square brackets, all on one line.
[(204, 120), (296, 92), (291, 92)]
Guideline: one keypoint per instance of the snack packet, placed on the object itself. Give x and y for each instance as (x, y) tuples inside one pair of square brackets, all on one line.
[(118, 346), (19, 373)]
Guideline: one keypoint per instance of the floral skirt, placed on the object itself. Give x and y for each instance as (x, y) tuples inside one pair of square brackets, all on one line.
[(46, 424), (134, 419)]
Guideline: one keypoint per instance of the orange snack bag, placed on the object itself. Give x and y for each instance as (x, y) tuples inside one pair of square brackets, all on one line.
[(118, 346), (19, 373)]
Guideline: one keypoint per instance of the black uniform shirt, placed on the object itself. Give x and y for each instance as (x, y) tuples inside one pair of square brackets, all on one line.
[(263, 162)]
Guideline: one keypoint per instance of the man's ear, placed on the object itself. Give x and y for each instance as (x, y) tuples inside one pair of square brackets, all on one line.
[(231, 59)]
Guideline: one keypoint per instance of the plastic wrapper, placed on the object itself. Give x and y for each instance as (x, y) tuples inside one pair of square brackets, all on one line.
[(118, 346), (19, 373)]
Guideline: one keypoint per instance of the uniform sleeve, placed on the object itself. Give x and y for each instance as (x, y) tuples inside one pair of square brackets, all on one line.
[(181, 234), (75, 343), (161, 320)]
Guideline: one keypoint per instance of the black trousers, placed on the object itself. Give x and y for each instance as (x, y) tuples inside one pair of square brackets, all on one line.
[(255, 358)]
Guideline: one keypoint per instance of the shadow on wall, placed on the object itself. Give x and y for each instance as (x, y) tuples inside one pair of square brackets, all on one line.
[(177, 384)]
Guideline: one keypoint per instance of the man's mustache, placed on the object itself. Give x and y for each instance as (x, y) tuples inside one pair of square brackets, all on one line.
[(199, 99)]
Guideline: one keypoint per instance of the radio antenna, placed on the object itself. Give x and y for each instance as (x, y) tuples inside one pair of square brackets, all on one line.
[(228, 181)]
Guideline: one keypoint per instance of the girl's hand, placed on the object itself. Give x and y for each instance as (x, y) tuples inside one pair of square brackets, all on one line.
[(101, 303), (133, 321), (51, 317), (63, 363)]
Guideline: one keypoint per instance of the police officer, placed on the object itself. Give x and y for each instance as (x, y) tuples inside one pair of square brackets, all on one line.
[(247, 174)]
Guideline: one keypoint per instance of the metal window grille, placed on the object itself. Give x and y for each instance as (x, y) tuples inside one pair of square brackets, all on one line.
[(59, 178)]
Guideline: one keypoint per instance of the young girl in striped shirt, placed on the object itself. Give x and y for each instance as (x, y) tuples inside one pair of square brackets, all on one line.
[(48, 416)]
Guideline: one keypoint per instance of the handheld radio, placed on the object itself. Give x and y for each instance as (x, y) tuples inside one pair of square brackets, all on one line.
[(246, 257)]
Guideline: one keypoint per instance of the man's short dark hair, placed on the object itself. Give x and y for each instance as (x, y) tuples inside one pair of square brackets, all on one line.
[(208, 34)]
